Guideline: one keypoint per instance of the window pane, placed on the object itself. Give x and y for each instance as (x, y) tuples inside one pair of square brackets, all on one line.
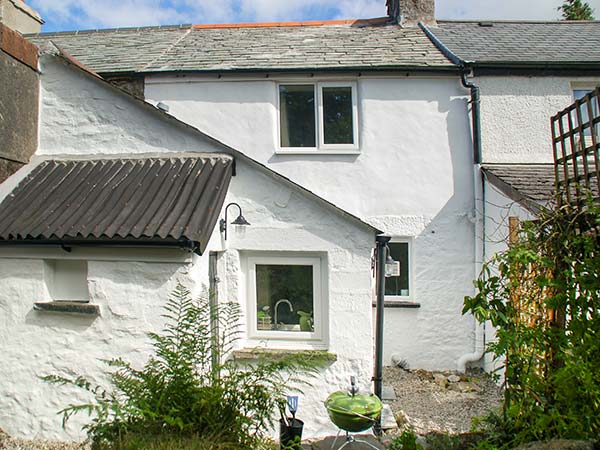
[(284, 297), (585, 117), (337, 115), (297, 115), (398, 286)]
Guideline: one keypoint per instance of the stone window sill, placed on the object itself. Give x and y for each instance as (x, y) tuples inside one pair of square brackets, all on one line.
[(254, 354), (82, 308), (399, 304)]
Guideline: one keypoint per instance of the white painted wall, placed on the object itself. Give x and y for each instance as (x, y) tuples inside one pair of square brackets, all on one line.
[(79, 115), (284, 222), (33, 344), (516, 111), (412, 178), (131, 286)]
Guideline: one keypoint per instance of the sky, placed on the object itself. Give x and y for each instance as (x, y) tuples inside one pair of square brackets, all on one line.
[(61, 15)]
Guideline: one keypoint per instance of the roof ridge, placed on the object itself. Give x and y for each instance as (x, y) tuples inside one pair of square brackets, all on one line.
[(306, 23)]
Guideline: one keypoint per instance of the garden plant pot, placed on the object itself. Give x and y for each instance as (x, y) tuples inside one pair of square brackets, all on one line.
[(290, 434)]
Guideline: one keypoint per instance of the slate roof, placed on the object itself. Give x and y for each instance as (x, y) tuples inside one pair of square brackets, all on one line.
[(372, 44), (136, 200), (552, 44), (531, 185)]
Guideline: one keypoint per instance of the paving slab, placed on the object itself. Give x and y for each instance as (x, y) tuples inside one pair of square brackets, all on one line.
[(388, 393), (325, 444), (388, 421)]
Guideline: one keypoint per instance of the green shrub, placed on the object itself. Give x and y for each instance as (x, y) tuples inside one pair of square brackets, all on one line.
[(406, 441), (543, 296), (189, 390)]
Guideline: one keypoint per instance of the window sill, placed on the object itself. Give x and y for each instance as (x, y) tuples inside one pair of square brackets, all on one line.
[(320, 357), (81, 308), (399, 304), (318, 152)]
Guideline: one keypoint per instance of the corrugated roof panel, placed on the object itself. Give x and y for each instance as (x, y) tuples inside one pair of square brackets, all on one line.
[(138, 199)]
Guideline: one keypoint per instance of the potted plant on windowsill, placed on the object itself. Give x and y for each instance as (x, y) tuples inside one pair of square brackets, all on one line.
[(306, 321), (264, 319)]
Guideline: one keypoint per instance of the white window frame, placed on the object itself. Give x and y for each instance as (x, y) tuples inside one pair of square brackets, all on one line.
[(319, 302), (320, 146), (589, 87), (411, 282)]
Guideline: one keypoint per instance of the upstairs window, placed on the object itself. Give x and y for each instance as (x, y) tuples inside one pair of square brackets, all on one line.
[(318, 116), (584, 111)]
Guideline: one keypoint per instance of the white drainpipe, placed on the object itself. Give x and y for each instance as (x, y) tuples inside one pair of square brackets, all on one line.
[(479, 250)]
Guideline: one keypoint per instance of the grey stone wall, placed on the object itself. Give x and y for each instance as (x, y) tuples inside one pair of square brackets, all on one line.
[(19, 100)]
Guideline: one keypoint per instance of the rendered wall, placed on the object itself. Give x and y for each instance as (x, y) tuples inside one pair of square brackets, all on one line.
[(83, 116), (515, 115), (413, 178), (284, 222), (33, 344)]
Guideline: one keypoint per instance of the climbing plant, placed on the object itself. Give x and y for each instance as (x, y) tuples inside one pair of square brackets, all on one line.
[(543, 297)]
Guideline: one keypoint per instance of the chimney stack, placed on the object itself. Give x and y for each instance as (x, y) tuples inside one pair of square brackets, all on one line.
[(410, 12), (19, 16)]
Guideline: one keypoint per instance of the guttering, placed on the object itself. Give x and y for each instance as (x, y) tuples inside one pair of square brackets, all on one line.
[(184, 244), (380, 255)]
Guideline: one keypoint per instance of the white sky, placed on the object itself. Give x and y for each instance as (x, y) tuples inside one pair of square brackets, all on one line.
[(81, 14)]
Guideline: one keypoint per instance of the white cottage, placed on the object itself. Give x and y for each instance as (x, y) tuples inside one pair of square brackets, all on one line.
[(120, 203), (370, 115), (367, 114)]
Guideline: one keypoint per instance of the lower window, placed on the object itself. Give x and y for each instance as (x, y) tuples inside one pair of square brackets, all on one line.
[(400, 286), (285, 298)]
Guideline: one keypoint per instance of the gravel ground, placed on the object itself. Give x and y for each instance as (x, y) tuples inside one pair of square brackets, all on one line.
[(440, 401), (8, 443)]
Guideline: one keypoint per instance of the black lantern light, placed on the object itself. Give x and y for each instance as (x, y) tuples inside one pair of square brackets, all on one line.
[(239, 220)]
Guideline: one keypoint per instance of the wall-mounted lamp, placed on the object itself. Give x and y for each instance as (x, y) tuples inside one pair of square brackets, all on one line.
[(392, 268), (239, 220)]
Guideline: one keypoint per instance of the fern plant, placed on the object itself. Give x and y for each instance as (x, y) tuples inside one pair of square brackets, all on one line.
[(190, 387)]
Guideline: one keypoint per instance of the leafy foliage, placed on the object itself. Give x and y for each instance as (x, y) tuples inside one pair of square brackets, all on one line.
[(576, 10), (543, 295), (190, 389), (406, 441)]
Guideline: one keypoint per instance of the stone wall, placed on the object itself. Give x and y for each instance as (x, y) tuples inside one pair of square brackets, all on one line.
[(19, 99)]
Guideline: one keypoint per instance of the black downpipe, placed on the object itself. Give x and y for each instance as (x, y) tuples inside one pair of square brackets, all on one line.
[(380, 255), (475, 116)]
